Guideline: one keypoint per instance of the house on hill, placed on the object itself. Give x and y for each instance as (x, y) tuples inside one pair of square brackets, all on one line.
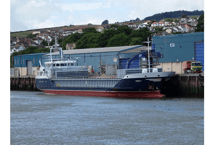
[(169, 31), (13, 41), (36, 32), (37, 40), (107, 26), (70, 46), (16, 49), (154, 24), (141, 26), (100, 29), (132, 25), (161, 24), (147, 22), (80, 31)]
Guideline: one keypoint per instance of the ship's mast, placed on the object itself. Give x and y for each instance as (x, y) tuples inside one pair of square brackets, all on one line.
[(148, 52), (56, 48)]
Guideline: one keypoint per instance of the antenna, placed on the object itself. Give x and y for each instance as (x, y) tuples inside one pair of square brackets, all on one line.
[(148, 51)]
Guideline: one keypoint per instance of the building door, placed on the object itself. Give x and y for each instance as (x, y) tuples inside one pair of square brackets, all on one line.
[(29, 67)]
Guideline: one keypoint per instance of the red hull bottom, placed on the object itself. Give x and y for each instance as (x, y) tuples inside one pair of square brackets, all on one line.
[(148, 94)]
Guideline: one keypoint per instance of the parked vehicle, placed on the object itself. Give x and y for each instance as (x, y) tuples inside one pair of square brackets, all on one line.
[(192, 67)]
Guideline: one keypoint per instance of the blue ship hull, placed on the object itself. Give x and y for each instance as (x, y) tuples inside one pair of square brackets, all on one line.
[(131, 84)]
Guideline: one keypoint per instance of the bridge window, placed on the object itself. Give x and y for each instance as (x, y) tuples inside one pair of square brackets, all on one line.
[(63, 64), (57, 64)]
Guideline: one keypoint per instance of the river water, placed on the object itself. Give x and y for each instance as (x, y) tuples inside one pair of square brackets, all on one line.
[(38, 118)]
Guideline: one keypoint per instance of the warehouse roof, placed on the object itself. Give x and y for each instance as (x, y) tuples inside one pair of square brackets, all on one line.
[(31, 54), (120, 49), (135, 50)]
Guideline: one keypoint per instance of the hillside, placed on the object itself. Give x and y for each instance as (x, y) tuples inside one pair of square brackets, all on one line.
[(174, 14), (70, 28), (157, 17)]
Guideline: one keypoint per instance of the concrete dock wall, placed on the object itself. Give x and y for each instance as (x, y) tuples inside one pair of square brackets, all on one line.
[(23, 83), (186, 85)]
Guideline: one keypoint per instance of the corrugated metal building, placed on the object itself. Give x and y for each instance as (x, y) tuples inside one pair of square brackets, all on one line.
[(26, 65), (180, 47), (108, 59)]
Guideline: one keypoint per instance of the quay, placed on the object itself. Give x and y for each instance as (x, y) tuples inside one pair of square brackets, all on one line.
[(185, 85), (25, 83), (182, 85)]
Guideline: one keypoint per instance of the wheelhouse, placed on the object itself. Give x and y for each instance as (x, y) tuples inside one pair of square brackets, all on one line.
[(60, 64)]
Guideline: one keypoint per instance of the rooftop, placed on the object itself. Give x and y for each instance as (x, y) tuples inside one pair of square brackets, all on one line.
[(121, 49)]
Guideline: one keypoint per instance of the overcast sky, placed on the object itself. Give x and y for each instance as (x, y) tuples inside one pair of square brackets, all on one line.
[(34, 14)]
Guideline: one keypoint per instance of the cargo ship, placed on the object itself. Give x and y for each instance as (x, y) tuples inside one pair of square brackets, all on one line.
[(64, 76)]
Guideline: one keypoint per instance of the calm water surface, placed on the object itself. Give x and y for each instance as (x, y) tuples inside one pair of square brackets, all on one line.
[(37, 118)]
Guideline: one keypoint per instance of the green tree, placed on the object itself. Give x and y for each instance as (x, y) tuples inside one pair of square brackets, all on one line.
[(194, 17), (176, 33), (168, 20), (183, 16), (44, 43), (103, 40), (31, 35), (110, 33), (124, 29), (89, 30), (142, 32), (29, 50), (136, 41), (200, 24), (42, 50), (153, 20), (105, 22), (89, 40), (119, 40), (176, 20), (60, 41), (114, 26), (52, 42), (158, 29), (73, 38), (105, 37)]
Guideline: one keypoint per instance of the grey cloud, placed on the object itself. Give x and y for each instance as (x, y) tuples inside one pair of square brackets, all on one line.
[(26, 14)]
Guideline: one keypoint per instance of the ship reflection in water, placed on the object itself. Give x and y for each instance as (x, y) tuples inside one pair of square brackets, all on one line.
[(38, 118)]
